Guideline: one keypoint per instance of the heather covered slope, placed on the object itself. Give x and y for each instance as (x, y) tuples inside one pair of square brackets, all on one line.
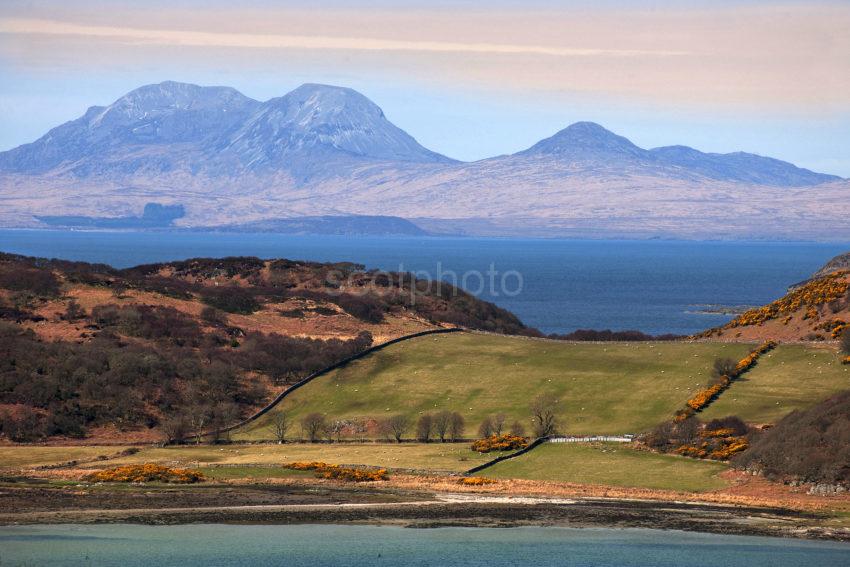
[(815, 310), (165, 349), (808, 446)]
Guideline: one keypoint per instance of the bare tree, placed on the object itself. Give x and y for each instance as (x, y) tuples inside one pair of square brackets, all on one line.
[(424, 425), (724, 367), (175, 428), (499, 423), (221, 415), (199, 418), (280, 424), (398, 425), (486, 429), (441, 424), (313, 426), (517, 429), (543, 411), (456, 426)]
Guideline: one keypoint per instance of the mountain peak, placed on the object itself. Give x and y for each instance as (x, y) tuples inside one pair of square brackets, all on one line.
[(171, 96), (324, 120), (585, 140)]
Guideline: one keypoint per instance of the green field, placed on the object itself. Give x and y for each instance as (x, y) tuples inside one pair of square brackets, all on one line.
[(22, 456), (605, 388), (788, 378), (447, 457), (611, 464)]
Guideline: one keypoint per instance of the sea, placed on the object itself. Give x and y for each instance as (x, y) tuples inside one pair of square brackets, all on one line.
[(557, 286), (358, 545)]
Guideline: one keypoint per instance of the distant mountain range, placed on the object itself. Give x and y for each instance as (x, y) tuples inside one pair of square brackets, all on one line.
[(322, 152)]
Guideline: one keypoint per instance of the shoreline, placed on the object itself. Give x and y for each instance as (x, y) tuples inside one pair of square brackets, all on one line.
[(308, 504)]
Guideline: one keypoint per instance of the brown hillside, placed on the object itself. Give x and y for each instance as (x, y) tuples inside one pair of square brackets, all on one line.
[(160, 350), (817, 310)]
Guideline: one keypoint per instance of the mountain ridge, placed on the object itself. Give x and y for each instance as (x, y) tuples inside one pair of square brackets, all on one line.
[(323, 150)]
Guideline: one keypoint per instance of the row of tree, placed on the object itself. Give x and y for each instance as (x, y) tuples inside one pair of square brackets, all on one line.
[(443, 426)]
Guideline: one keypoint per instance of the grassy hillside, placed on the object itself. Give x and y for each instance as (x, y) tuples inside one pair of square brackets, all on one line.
[(787, 378), (605, 388), (613, 465), (163, 350)]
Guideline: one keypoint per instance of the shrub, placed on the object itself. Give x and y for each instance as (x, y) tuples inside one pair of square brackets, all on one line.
[(543, 411), (506, 442), (213, 316), (706, 396), (232, 299), (476, 481), (441, 424), (147, 472), (811, 445), (517, 429), (398, 425), (73, 311), (723, 367), (845, 343), (363, 307), (37, 282), (487, 427), (424, 427), (456, 426), (336, 472), (313, 426)]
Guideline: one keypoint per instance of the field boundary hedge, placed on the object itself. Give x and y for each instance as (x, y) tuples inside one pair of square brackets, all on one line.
[(280, 397)]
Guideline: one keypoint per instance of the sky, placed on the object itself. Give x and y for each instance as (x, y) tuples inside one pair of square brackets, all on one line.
[(467, 79)]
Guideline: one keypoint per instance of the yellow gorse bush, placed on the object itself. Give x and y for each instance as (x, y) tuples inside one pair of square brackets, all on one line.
[(810, 295), (705, 396), (845, 360), (147, 472), (336, 472), (723, 432), (716, 448), (476, 481), (506, 442), (835, 328)]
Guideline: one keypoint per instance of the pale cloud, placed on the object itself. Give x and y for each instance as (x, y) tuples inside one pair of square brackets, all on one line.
[(284, 41), (781, 57)]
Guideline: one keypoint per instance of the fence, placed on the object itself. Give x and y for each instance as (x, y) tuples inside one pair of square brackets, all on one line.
[(598, 438), (319, 373)]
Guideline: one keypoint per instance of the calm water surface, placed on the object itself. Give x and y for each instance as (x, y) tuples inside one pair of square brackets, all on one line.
[(652, 286), (353, 546)]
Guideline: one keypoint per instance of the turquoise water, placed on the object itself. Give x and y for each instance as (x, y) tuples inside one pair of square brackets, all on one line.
[(354, 546), (651, 286)]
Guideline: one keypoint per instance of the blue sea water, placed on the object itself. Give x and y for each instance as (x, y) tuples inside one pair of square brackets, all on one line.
[(356, 546), (555, 285)]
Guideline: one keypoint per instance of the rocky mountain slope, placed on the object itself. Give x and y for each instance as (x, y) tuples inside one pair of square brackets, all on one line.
[(840, 262), (329, 151)]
